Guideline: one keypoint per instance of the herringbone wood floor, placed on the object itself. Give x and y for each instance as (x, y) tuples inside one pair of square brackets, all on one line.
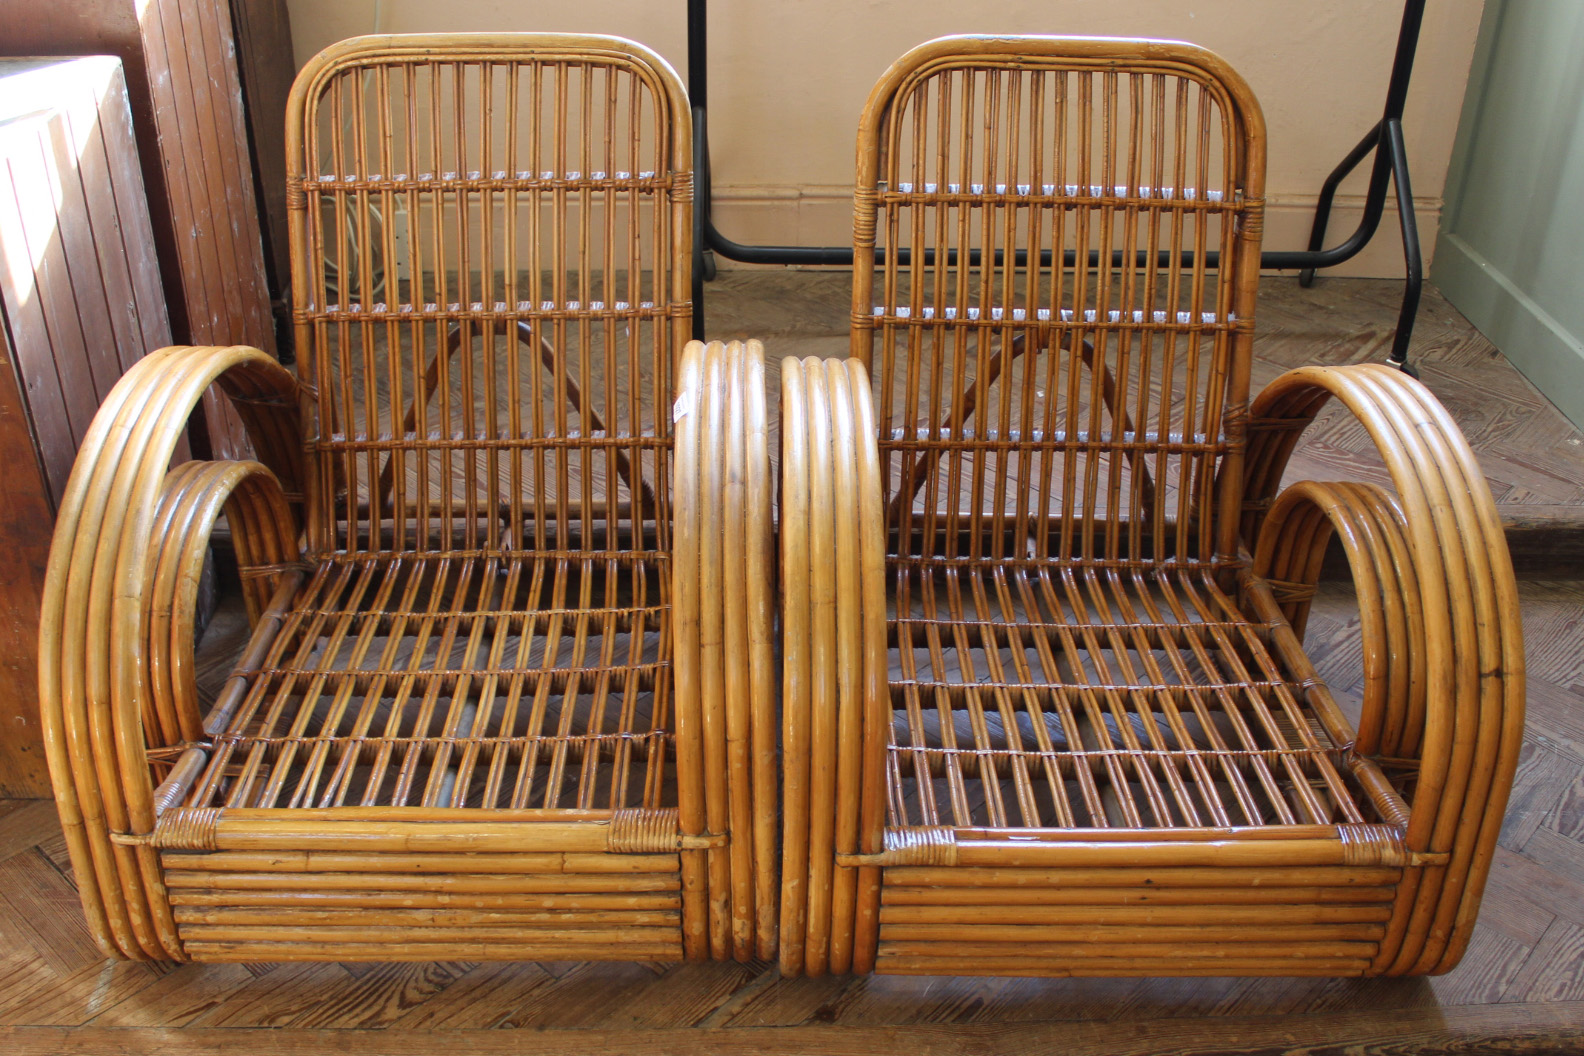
[(1521, 987)]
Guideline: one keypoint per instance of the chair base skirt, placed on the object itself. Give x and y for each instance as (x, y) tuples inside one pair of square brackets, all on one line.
[(1173, 920), (282, 889)]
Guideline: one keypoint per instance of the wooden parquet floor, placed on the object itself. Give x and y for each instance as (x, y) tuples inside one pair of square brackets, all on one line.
[(1520, 989)]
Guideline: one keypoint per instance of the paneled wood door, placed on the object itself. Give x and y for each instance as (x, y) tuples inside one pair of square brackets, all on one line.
[(80, 289), (181, 71)]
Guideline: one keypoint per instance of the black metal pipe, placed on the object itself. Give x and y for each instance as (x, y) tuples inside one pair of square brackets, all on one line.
[(1375, 197), (698, 53), (1403, 60), (1385, 139), (698, 96), (1410, 238), (829, 256), (1281, 260), (1317, 229)]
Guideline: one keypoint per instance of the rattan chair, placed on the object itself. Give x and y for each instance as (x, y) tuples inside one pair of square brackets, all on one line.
[(505, 696), (1046, 710)]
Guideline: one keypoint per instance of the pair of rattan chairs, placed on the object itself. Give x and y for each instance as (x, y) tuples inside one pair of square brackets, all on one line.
[(512, 557)]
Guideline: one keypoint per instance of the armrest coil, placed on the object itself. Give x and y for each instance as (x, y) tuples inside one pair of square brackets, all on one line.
[(723, 598), (1447, 683), (104, 636)]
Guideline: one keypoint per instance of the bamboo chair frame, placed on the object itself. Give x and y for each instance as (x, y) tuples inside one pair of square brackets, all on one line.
[(1045, 706), (506, 696)]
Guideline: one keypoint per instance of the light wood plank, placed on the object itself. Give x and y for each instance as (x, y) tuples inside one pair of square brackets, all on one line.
[(177, 998), (46, 907), (1544, 1028), (31, 823), (483, 997)]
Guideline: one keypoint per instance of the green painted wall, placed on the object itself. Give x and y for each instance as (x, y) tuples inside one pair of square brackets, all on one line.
[(1510, 254)]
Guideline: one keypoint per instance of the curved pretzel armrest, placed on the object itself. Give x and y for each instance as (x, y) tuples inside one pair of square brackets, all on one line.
[(264, 534), (1440, 549), (1288, 554), (95, 682), (723, 597), (835, 710)]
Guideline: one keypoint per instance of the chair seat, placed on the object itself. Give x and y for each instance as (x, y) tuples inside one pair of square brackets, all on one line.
[(1036, 703), (511, 680), (1041, 695)]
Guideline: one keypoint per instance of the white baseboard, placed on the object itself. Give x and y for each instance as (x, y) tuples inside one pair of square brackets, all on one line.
[(1539, 345)]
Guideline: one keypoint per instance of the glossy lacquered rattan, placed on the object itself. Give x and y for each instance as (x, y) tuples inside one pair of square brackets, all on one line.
[(507, 548), (506, 696), (1046, 710)]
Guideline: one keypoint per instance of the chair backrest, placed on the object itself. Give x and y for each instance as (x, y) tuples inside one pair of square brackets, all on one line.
[(1059, 315), (491, 239)]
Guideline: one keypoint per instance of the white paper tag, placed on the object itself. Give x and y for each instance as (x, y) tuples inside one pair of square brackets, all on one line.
[(683, 405)]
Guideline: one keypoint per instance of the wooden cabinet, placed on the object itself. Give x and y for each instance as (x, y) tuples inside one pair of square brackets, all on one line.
[(80, 289), (266, 66), (181, 70)]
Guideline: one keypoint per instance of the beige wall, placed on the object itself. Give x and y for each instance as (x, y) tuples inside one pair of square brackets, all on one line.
[(788, 78)]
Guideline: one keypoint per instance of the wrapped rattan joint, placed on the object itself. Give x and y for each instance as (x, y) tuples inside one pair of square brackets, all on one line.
[(655, 832), (934, 845)]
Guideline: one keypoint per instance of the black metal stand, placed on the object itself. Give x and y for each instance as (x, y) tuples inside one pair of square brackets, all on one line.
[(1385, 139)]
